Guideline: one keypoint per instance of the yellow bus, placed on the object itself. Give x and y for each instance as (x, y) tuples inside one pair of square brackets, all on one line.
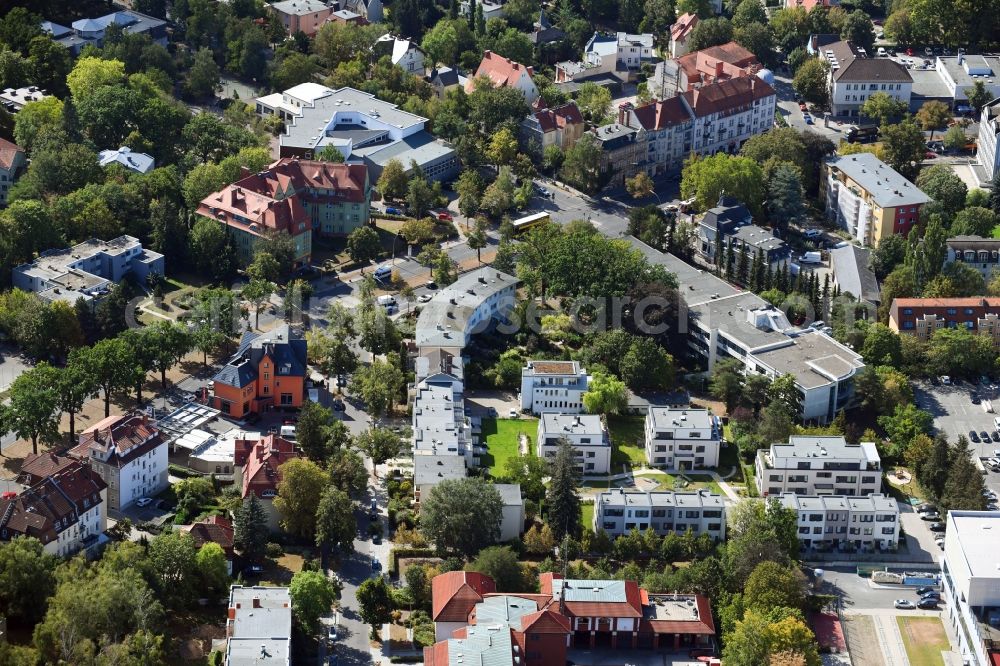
[(529, 221)]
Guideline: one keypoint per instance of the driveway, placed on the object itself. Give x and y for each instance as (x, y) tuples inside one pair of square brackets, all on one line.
[(12, 365), (919, 538)]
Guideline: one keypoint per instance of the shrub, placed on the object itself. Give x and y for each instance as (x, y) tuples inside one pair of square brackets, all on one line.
[(274, 550)]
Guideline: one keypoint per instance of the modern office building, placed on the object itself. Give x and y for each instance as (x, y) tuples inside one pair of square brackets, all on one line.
[(557, 387), (618, 512), (87, 270), (971, 584), (869, 198), (845, 523), (587, 433), (818, 465), (682, 439)]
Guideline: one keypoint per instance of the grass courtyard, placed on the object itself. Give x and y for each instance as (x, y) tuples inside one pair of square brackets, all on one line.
[(587, 511), (687, 483), (627, 436), (924, 639), (501, 439)]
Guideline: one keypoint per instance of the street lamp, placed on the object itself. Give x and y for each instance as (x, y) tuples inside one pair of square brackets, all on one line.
[(394, 238)]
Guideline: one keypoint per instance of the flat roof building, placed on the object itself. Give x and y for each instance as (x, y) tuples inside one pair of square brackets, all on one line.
[(259, 626), (553, 387), (587, 433), (618, 512), (845, 523), (818, 465), (681, 438), (470, 305), (971, 584)]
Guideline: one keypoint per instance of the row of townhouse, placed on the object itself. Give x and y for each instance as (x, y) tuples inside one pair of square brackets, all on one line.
[(617, 512), (921, 317), (657, 137)]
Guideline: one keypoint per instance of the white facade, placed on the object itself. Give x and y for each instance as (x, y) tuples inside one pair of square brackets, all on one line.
[(971, 583), (403, 53), (818, 465), (473, 303), (553, 387), (682, 439), (988, 148), (618, 512), (587, 434), (727, 130), (512, 514), (834, 522), (854, 77)]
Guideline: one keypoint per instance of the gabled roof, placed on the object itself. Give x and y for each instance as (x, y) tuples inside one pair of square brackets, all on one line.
[(718, 63), (661, 114), (848, 65), (37, 466), (52, 505), (456, 593), (685, 24), (559, 117), (214, 529), (261, 470), (121, 438), (286, 350), (545, 621), (726, 95), (594, 598), (8, 154), (445, 75), (502, 71)]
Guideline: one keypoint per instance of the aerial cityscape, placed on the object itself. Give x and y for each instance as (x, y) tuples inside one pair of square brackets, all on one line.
[(500, 332)]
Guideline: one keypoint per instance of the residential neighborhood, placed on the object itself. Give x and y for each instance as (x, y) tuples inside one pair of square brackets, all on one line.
[(519, 332)]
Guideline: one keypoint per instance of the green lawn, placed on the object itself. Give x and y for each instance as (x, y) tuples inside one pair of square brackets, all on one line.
[(676, 482), (627, 440), (588, 515), (501, 436), (996, 231), (924, 639)]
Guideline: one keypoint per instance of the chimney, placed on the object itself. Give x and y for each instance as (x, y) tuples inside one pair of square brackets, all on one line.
[(256, 602), (718, 69), (623, 110)]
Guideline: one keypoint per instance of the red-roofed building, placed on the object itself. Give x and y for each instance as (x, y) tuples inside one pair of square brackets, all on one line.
[(12, 163), (700, 68), (261, 472), (129, 454), (679, 33), (38, 466), (66, 510), (214, 529), (728, 113), (504, 72), (923, 316), (293, 197), (809, 5), (454, 595), (560, 126)]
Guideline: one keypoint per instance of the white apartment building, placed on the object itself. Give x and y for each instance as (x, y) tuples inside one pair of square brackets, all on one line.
[(618, 512), (472, 304), (728, 113), (259, 626), (440, 426), (854, 77), (971, 584), (553, 387), (402, 52), (987, 146), (586, 432), (682, 439), (818, 465), (841, 523), (129, 454)]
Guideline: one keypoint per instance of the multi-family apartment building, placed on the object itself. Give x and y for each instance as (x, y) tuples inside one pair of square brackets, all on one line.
[(680, 32), (553, 387), (87, 270), (369, 10), (258, 463), (431, 469), (587, 433), (259, 626), (90, 31), (664, 129), (818, 465), (475, 302), (267, 370), (809, 5), (12, 163), (982, 254), (723, 219), (66, 509), (305, 16), (622, 148), (970, 584), (14, 99), (923, 316), (618, 512), (129, 454), (870, 199), (404, 53), (728, 113), (701, 68), (609, 53), (440, 426), (505, 73), (363, 128), (854, 77), (987, 144), (559, 126), (682, 439), (845, 523)]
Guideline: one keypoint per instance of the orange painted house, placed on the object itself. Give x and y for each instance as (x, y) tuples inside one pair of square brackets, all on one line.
[(267, 371)]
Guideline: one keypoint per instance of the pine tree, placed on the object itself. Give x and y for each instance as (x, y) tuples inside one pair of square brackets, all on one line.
[(250, 530), (562, 499), (453, 10), (729, 260), (783, 278), (769, 277), (995, 193), (963, 491), (934, 472), (472, 15), (480, 20), (742, 267), (719, 252)]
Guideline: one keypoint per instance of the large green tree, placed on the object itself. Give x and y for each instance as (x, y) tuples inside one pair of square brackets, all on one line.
[(26, 578), (462, 515), (335, 522), (312, 596), (33, 412), (562, 499), (375, 602), (299, 491), (250, 531)]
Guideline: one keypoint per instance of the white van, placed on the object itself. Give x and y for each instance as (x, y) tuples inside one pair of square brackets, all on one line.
[(811, 258), (288, 432), (386, 300), (383, 272), (882, 53)]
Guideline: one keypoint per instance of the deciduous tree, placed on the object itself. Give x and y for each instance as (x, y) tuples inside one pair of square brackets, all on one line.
[(299, 491), (312, 596), (462, 515)]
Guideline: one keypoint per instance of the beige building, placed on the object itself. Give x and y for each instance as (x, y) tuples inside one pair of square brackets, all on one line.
[(12, 162), (306, 16)]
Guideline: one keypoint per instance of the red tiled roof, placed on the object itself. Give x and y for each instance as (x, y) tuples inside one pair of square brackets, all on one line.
[(545, 622), (215, 529), (38, 466), (726, 95), (946, 302), (559, 117), (718, 63), (261, 470), (661, 114), (347, 180), (456, 593), (129, 436), (437, 654), (40, 511), (703, 625), (8, 153), (685, 24), (502, 71)]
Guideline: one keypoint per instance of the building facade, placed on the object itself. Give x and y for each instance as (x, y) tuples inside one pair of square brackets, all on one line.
[(553, 387), (87, 270), (818, 465), (923, 316), (970, 584), (987, 145), (505, 73), (258, 466), (694, 70), (982, 254), (474, 303), (559, 126), (12, 163), (854, 77), (403, 53), (129, 454), (679, 33), (305, 16), (259, 626), (618, 512), (869, 198), (268, 371), (587, 433), (845, 523), (682, 439)]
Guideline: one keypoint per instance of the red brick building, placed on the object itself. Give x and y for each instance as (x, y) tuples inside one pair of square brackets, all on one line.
[(923, 316), (258, 462)]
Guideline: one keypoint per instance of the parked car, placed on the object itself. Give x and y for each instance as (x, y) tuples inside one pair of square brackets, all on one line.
[(933, 594), (975, 400), (928, 604), (431, 284), (812, 233), (921, 591), (985, 436), (921, 508), (376, 565), (253, 570), (392, 210), (808, 119), (939, 542), (423, 298), (513, 413), (904, 604), (973, 436), (444, 216), (377, 539), (341, 381), (338, 405), (995, 436), (930, 515), (143, 501), (331, 633), (936, 527)]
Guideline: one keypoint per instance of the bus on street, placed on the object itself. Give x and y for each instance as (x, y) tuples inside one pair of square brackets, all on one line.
[(529, 221)]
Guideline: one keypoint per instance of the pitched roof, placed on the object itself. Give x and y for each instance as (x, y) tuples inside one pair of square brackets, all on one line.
[(718, 63), (559, 117), (502, 71), (52, 505), (971, 302), (886, 186), (214, 529), (700, 622), (545, 621), (598, 598), (261, 469), (8, 153), (118, 439), (37, 466), (683, 27), (288, 352), (847, 65), (726, 95), (456, 593), (661, 114)]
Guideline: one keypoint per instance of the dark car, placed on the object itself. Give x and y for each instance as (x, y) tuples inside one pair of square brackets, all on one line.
[(933, 594), (341, 381), (985, 436), (376, 565), (973, 436), (377, 539), (995, 436), (338, 405), (925, 507), (936, 527), (928, 604), (975, 400), (921, 591)]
